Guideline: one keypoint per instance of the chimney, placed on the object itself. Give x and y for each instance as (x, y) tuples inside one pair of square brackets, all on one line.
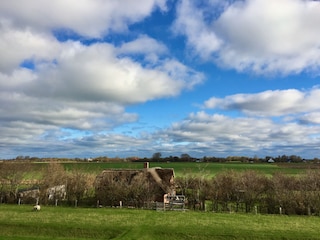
[(146, 165)]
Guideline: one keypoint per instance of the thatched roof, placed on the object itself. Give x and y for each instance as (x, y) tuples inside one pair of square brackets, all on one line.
[(163, 177)]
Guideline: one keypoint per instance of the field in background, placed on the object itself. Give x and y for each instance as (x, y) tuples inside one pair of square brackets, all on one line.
[(202, 169), (19, 222)]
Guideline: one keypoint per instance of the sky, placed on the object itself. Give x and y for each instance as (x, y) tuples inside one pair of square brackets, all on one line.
[(120, 78)]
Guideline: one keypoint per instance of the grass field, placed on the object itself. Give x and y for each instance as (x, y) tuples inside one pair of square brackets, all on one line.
[(19, 222), (203, 169)]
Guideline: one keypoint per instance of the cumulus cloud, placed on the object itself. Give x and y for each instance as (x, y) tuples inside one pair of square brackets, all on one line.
[(255, 35), (57, 90), (310, 118), (47, 145), (192, 24), (278, 122), (222, 135), (96, 73), (270, 103), (91, 18), (143, 45), (18, 45), (85, 88), (70, 95)]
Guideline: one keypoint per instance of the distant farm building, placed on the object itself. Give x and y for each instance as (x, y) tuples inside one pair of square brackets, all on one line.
[(271, 160), (33, 195), (134, 186), (57, 192), (29, 195)]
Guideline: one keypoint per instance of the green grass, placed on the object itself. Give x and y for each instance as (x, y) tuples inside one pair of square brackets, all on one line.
[(19, 222), (183, 168), (97, 167)]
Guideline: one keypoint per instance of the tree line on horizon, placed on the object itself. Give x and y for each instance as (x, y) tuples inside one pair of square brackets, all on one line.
[(157, 157)]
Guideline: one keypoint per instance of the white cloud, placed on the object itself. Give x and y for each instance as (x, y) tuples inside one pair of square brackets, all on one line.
[(310, 118), (66, 144), (187, 77), (18, 45), (256, 35), (91, 18), (51, 113), (214, 135), (17, 79), (270, 103), (192, 24), (74, 86), (60, 93), (86, 88), (95, 73), (143, 45), (223, 135), (73, 95)]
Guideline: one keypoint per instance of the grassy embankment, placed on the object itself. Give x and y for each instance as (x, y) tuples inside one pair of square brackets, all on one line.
[(19, 222)]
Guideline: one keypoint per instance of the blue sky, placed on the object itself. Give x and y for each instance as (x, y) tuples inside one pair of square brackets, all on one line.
[(130, 78)]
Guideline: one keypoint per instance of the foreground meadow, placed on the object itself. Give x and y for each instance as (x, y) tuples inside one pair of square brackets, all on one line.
[(19, 222)]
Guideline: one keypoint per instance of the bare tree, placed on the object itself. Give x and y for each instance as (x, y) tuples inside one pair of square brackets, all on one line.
[(253, 187), (226, 189), (286, 190), (191, 187), (54, 175), (78, 185), (309, 186), (156, 156), (114, 187), (11, 176)]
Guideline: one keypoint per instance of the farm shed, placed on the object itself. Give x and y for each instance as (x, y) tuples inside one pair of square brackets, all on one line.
[(134, 186), (57, 192), (271, 160), (30, 195), (33, 195)]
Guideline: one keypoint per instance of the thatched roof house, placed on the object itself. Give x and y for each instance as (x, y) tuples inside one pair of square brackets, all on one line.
[(147, 184)]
